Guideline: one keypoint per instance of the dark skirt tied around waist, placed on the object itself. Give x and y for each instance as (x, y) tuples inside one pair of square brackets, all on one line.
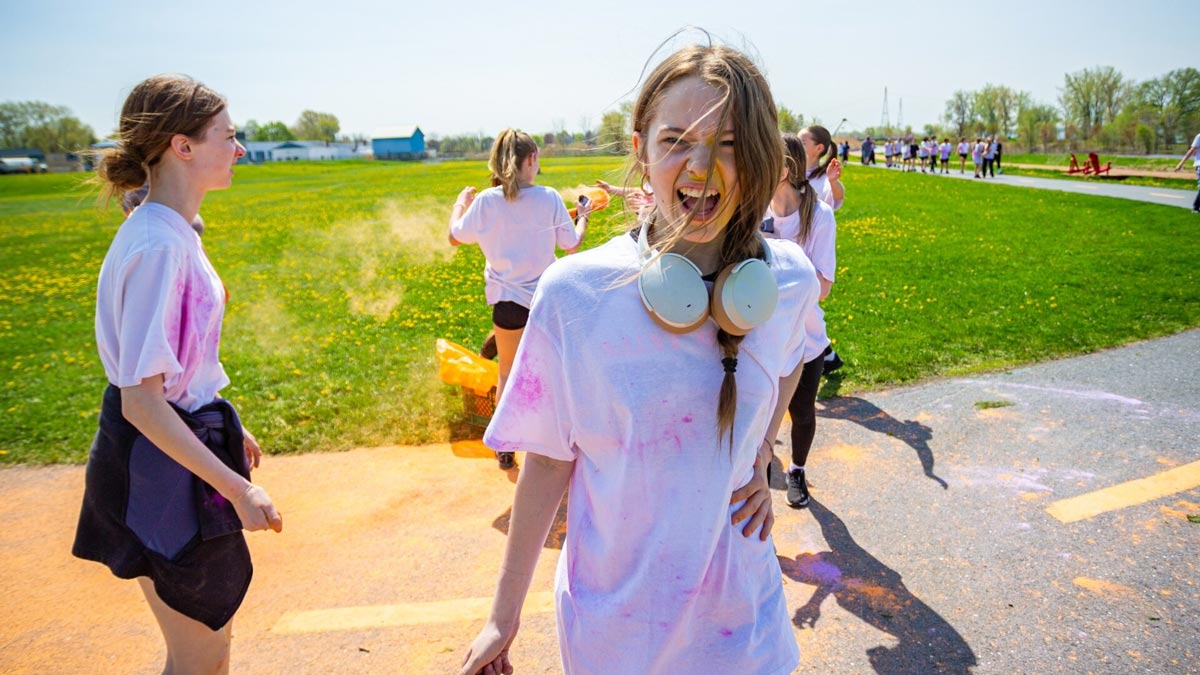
[(145, 515)]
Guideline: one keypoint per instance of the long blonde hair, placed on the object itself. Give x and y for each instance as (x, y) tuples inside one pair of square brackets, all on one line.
[(758, 157), (509, 152)]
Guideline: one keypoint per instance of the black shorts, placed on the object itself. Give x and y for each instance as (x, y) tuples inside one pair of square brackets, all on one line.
[(962, 155), (509, 315)]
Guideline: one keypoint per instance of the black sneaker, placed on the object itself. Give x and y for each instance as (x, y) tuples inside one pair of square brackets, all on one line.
[(797, 490), (507, 460), (832, 364)]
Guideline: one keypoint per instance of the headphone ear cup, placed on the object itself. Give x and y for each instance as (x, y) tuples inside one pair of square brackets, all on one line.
[(674, 293), (744, 296)]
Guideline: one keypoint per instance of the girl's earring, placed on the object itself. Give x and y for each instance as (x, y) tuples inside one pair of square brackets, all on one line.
[(646, 184)]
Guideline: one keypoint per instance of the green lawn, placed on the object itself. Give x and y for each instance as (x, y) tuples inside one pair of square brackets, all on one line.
[(340, 280), (1186, 180), (1124, 162)]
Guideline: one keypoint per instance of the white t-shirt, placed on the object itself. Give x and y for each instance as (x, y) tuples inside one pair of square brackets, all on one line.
[(652, 577), (824, 191), (517, 238), (964, 148), (821, 249), (159, 305), (1196, 144), (977, 152), (945, 150)]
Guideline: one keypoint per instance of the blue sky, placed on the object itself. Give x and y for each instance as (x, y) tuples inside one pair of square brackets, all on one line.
[(466, 66)]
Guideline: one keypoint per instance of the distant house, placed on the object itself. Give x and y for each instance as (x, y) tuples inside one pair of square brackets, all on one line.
[(398, 143), (258, 152)]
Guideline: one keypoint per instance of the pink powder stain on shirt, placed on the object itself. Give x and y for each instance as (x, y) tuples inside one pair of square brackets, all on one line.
[(726, 632), (687, 419), (528, 389)]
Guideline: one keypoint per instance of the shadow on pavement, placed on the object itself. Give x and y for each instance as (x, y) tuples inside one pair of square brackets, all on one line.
[(875, 593), (868, 415)]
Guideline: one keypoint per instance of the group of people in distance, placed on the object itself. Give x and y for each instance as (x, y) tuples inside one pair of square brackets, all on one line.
[(930, 156), (650, 374)]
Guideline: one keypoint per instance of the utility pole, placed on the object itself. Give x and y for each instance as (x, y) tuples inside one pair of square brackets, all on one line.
[(900, 117), (885, 123)]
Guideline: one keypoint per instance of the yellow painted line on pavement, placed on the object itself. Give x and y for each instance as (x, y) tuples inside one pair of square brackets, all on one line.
[(1131, 493), (1163, 194), (408, 614)]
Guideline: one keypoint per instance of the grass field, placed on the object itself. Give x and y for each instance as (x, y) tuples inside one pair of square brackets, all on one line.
[(341, 279), (1124, 162), (1186, 180)]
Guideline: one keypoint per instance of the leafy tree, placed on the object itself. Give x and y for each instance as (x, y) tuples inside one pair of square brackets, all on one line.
[(250, 129), (36, 124), (276, 132), (790, 122), (1037, 122), (1092, 98), (316, 126), (960, 112), (614, 132), (65, 134)]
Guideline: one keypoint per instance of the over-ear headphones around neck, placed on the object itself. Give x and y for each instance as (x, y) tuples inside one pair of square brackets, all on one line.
[(674, 293)]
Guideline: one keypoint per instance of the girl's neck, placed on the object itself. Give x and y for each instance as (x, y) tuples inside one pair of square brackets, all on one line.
[(173, 191), (785, 202)]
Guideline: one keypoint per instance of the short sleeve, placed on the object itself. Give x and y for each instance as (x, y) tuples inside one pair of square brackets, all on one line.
[(801, 290), (824, 244), (1196, 141), (148, 313), (534, 413), (564, 228), (466, 229)]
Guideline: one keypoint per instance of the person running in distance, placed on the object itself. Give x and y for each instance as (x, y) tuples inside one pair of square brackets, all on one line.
[(631, 376)]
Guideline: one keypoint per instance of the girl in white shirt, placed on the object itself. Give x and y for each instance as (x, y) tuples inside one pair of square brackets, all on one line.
[(167, 489), (651, 427), (825, 171), (824, 175), (799, 216), (517, 224)]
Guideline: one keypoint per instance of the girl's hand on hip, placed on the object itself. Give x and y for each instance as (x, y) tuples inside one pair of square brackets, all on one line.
[(757, 496)]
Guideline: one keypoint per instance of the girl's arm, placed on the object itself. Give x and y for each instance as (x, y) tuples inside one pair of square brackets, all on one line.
[(1191, 151), (834, 171), (460, 207), (144, 407), (582, 211), (757, 492), (826, 286), (539, 492)]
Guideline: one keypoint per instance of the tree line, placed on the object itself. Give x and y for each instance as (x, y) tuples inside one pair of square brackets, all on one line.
[(1096, 108), (49, 128)]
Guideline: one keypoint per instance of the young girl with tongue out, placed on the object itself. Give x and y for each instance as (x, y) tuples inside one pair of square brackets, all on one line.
[(653, 374)]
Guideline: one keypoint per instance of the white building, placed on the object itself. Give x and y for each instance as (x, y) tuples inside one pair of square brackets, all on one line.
[(258, 152)]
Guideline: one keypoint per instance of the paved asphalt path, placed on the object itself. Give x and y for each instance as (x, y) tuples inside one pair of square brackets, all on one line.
[(939, 541), (1099, 186)]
